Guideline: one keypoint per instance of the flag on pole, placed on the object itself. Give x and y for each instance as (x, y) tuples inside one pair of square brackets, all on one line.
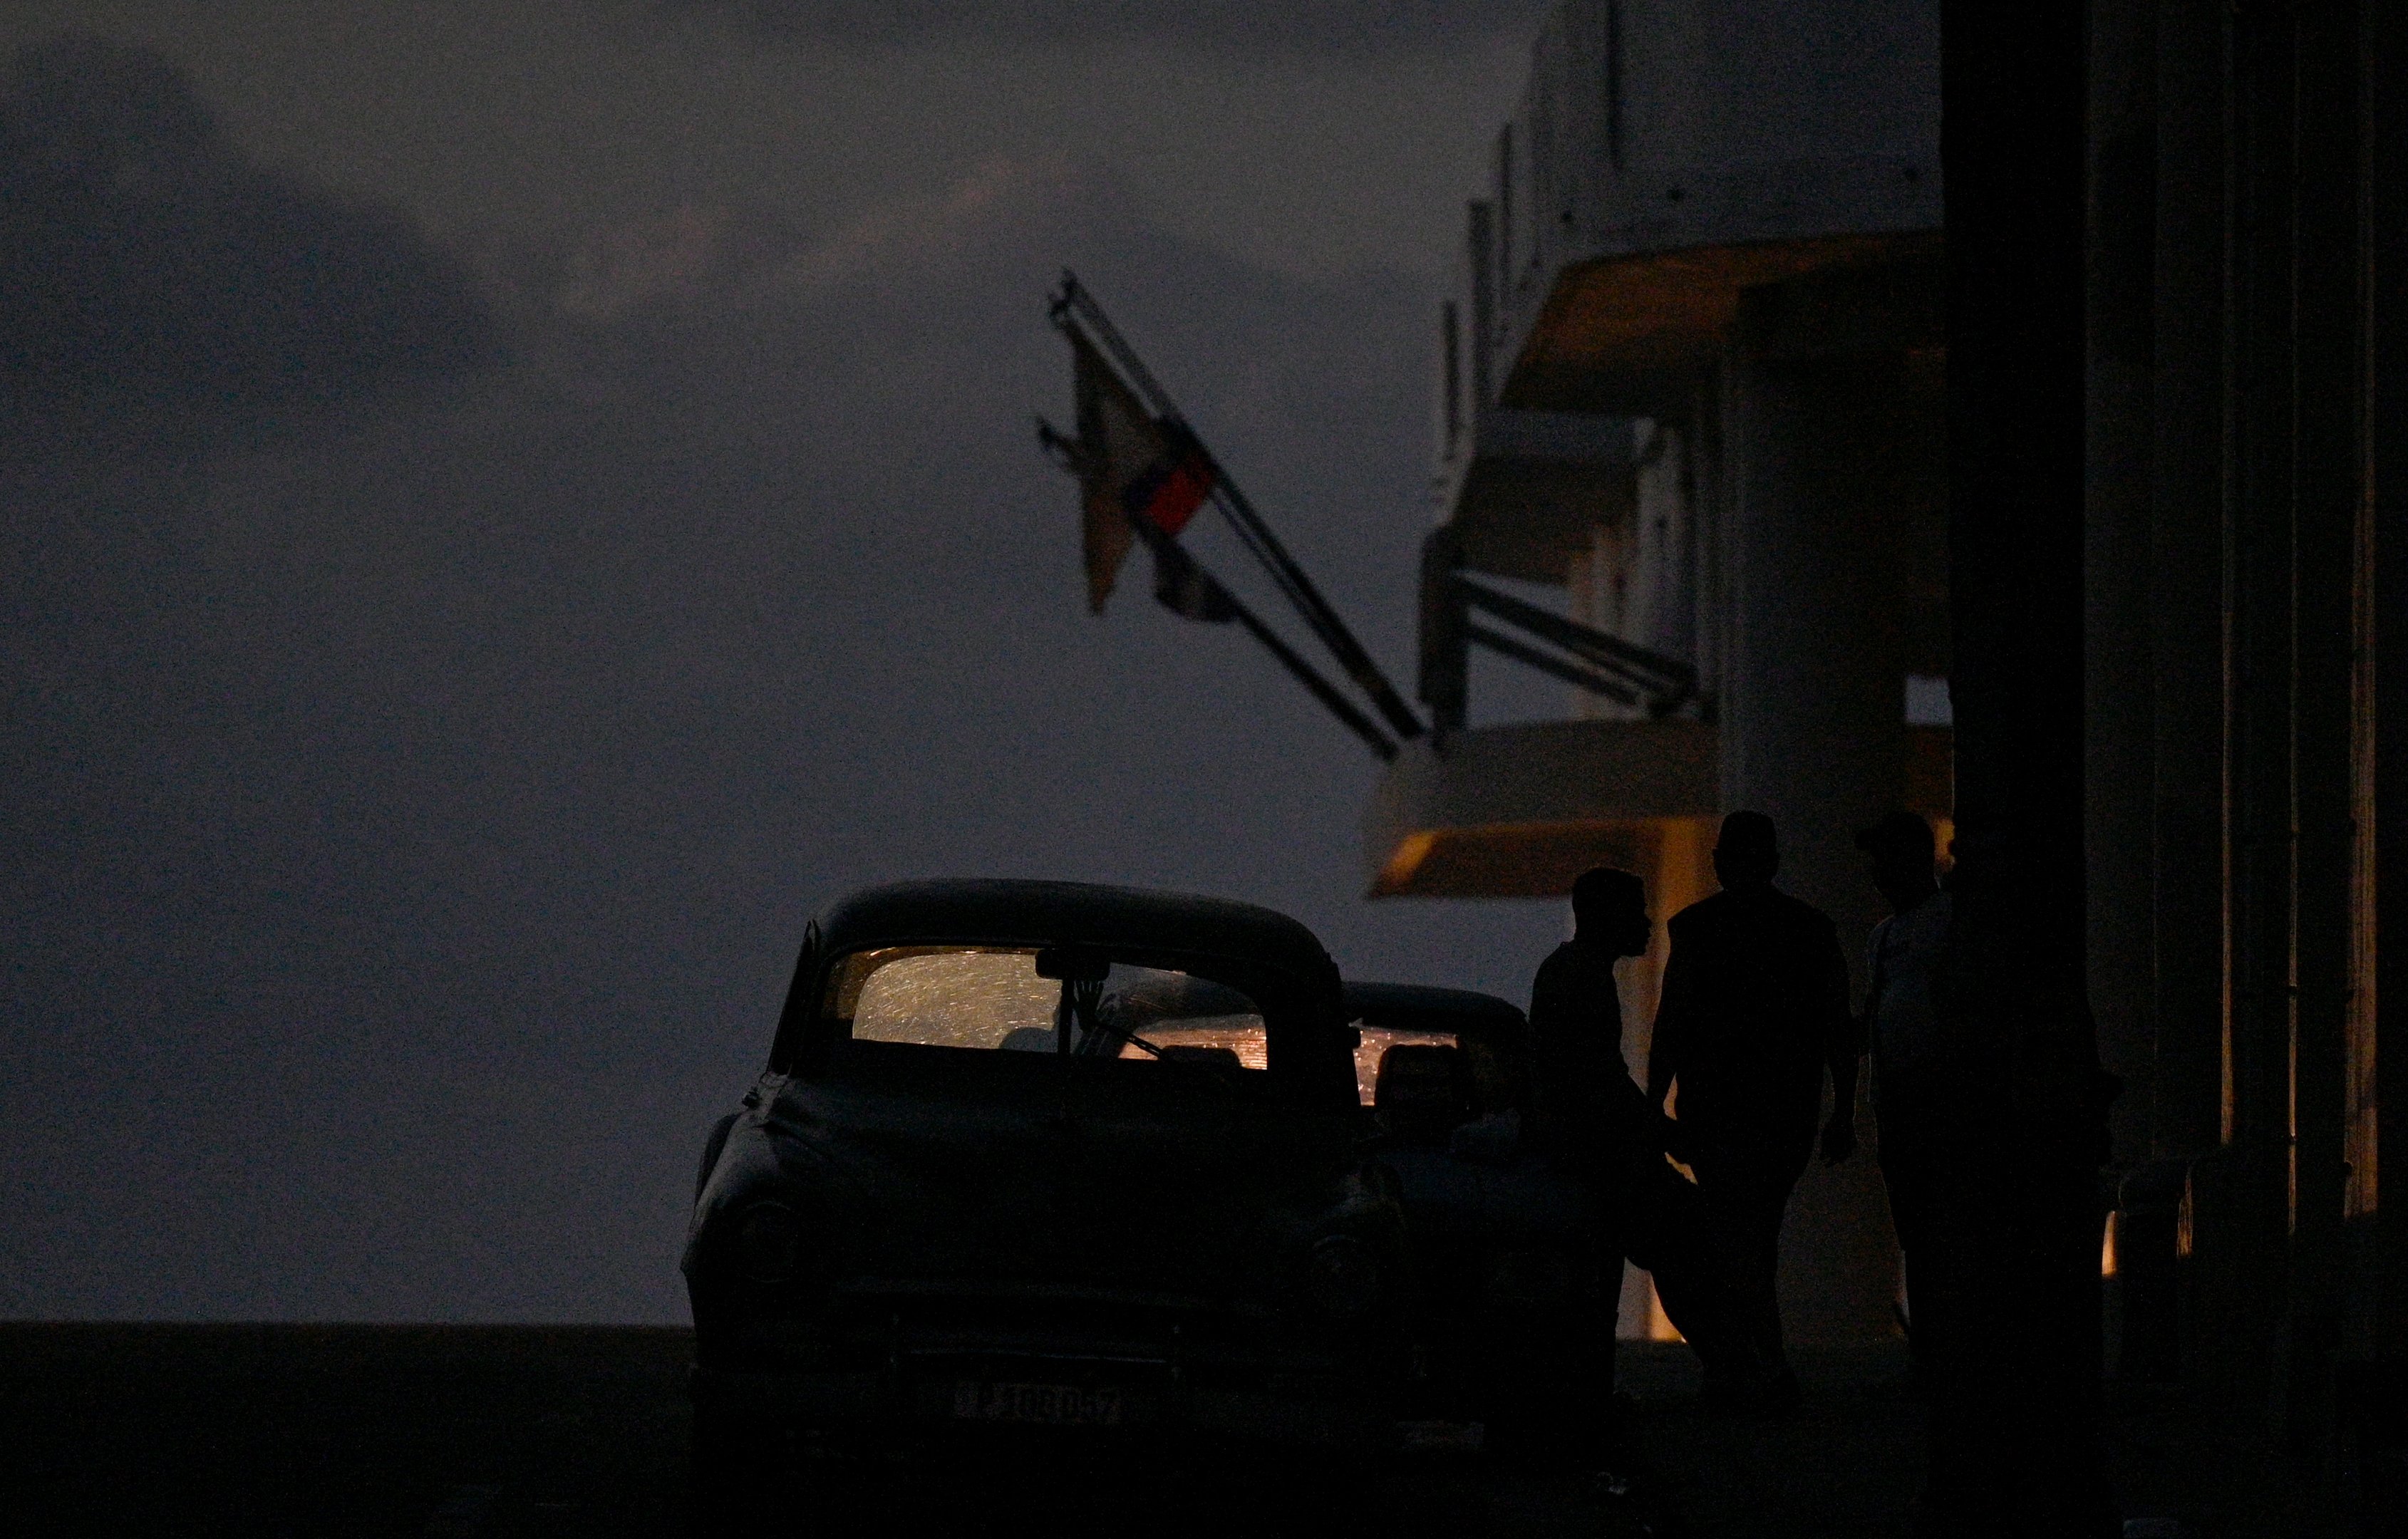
[(1135, 469), (1185, 589), (1142, 475)]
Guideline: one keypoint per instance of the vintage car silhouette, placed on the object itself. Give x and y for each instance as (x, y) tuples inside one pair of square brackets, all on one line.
[(1508, 1299), (1050, 1155)]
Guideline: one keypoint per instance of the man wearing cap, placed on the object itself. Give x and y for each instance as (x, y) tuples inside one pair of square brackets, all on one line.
[(1902, 1032), (1755, 1012)]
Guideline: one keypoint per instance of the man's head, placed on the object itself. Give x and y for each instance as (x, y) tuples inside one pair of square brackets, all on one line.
[(1900, 848), (1746, 856), (1610, 909)]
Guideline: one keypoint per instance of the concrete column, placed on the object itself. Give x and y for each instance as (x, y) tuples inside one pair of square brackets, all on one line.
[(2015, 1251), (1663, 611), (2253, 1236), (2118, 706), (2386, 387), (1824, 435), (2186, 567), (2327, 489)]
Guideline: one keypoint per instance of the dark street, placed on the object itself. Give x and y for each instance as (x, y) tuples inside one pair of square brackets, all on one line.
[(530, 1432), (541, 1431)]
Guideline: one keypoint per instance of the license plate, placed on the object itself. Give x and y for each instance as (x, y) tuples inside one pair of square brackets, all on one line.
[(1048, 1405)]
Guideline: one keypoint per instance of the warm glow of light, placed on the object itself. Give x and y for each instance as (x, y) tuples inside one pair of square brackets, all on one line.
[(2107, 1249), (1639, 1314), (1410, 852), (1659, 1325)]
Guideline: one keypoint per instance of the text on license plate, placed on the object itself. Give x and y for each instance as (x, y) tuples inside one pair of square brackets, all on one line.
[(1053, 1404)]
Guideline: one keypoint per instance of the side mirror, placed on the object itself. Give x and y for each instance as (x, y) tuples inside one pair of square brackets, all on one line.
[(1073, 964)]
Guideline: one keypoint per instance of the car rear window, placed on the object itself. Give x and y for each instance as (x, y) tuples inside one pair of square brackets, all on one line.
[(992, 997), (1374, 1046), (1498, 1078)]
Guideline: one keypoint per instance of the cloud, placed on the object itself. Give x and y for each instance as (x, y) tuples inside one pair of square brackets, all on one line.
[(700, 255), (1317, 26), (158, 289), (924, 230), (432, 802)]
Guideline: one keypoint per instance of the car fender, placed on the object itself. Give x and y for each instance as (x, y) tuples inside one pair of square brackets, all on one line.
[(710, 1151), (741, 1159)]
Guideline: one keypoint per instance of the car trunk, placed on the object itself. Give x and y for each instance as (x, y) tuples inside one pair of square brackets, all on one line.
[(952, 1170)]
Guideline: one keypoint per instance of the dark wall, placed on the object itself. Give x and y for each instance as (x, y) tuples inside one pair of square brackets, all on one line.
[(2244, 342)]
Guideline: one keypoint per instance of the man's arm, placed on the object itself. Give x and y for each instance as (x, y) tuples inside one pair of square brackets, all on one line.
[(1547, 996), (1675, 1008), (1544, 1065), (1840, 1132), (1842, 1049)]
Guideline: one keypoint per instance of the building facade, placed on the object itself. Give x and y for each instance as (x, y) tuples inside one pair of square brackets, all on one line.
[(1693, 380), (1694, 408)]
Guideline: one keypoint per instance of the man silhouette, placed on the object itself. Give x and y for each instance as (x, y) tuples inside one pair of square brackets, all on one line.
[(1901, 1032), (1586, 1110), (1755, 1010), (1594, 1122)]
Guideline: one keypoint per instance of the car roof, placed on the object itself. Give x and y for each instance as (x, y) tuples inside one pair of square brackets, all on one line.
[(1005, 911), (1265, 954), (1420, 1007)]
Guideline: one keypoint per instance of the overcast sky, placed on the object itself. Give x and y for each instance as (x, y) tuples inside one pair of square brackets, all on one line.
[(507, 507)]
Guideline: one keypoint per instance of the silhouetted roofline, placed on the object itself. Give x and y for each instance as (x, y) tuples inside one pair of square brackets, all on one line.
[(1009, 911), (1422, 1007)]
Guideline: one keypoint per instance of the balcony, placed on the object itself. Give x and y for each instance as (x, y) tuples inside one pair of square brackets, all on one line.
[(1524, 489), (1667, 156), (1518, 811)]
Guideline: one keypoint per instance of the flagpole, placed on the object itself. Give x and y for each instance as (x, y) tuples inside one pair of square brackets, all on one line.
[(1065, 451), (1250, 526), (1211, 600), (1309, 677), (1336, 635)]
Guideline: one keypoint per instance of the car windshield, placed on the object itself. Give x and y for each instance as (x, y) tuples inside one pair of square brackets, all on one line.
[(992, 997)]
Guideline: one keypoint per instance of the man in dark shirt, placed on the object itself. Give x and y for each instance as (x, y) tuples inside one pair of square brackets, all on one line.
[(1908, 1048), (1587, 1107), (1593, 1121), (1755, 1010)]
